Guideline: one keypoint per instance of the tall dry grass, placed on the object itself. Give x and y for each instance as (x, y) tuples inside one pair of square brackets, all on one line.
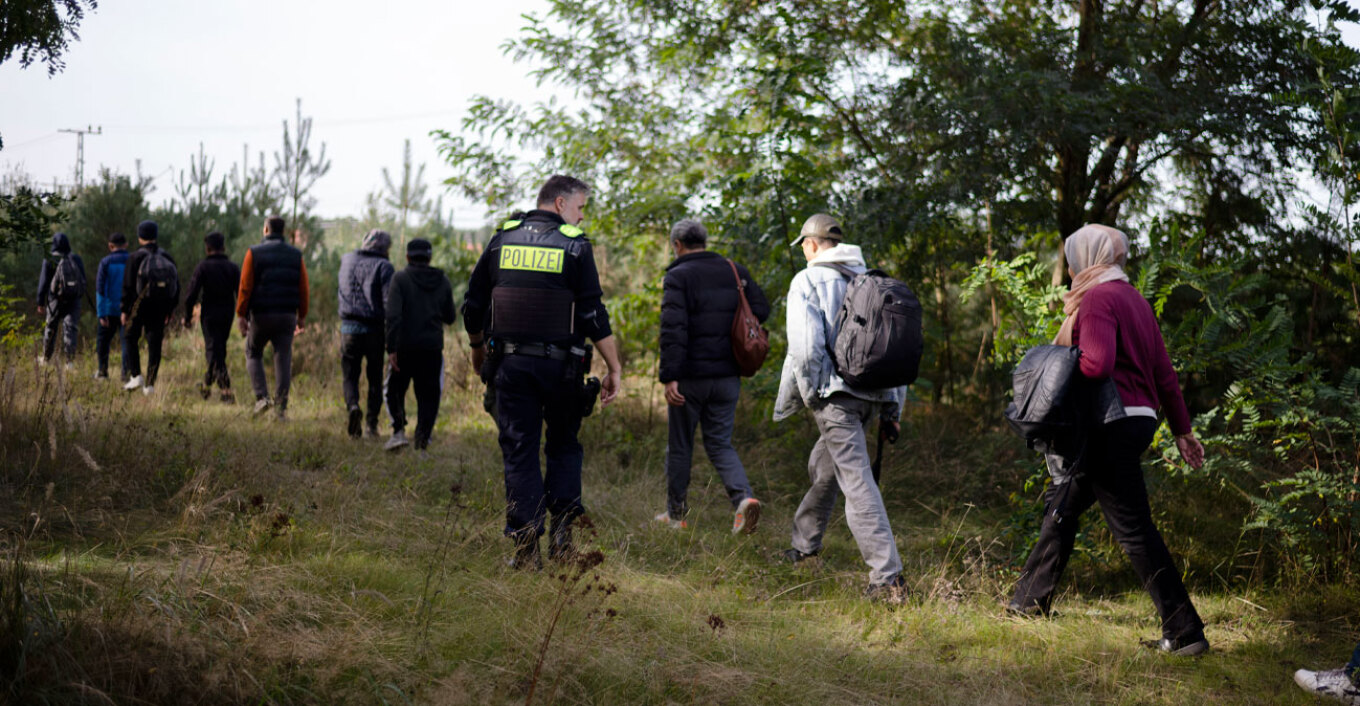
[(168, 550)]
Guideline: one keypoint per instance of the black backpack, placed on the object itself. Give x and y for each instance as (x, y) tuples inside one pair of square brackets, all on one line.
[(879, 341), (157, 279), (65, 287)]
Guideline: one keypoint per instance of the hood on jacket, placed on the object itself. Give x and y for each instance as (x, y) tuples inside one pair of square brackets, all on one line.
[(842, 254), (61, 245), (426, 277)]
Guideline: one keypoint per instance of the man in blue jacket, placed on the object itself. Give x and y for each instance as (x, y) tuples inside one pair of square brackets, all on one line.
[(365, 276), (61, 283), (108, 297)]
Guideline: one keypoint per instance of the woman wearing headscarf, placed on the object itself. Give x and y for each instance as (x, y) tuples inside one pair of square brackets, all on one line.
[(1119, 338)]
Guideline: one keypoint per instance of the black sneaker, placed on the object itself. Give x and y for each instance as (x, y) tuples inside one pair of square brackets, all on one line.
[(560, 547), (793, 556), (1179, 648), (893, 592), (1033, 610), (356, 420)]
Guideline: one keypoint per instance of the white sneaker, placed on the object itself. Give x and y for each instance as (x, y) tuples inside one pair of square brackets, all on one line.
[(148, 390), (42, 362), (747, 517), (1332, 682), (262, 405), (665, 518), (134, 383), (397, 441)]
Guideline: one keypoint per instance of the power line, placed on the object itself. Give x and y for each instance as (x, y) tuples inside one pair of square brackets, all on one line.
[(346, 122), (80, 149)]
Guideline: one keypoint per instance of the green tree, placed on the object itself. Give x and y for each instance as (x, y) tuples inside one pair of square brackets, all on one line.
[(406, 196), (297, 169)]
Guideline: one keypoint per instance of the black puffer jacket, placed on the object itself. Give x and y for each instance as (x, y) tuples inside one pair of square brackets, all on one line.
[(419, 305), (698, 304)]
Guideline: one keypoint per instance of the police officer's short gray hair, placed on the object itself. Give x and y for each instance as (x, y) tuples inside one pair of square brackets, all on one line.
[(689, 232)]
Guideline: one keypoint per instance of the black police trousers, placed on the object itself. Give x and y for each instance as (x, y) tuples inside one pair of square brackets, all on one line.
[(425, 369), (531, 393), (1111, 475)]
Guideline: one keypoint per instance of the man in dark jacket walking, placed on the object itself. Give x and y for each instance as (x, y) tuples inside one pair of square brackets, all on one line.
[(271, 307), (108, 298), (216, 280), (365, 276), (698, 303), (61, 284), (420, 305), (150, 294)]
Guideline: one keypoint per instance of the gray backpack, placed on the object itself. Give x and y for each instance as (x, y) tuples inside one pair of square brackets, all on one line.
[(879, 340)]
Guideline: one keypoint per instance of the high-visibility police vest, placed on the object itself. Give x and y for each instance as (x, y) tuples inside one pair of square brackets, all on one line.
[(533, 299)]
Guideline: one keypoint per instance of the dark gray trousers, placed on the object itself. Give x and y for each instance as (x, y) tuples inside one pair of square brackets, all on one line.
[(711, 404), (275, 328), (68, 321)]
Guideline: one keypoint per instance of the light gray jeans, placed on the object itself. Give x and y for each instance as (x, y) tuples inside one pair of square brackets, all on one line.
[(840, 461)]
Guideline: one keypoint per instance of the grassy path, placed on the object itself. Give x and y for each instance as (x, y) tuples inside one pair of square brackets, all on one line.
[(172, 550)]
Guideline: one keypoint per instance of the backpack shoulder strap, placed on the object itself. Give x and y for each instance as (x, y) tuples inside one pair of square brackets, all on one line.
[(845, 271)]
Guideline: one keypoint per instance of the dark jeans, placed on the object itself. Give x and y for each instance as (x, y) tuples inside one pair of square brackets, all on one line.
[(68, 320), (425, 369), (104, 337), (710, 403), (216, 331), (357, 350), (274, 328), (153, 324), (529, 393), (1353, 667), (1113, 477)]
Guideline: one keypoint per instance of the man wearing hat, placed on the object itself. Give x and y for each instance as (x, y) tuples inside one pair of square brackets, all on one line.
[(108, 298), (419, 306), (698, 302), (840, 458), (150, 295), (61, 283), (216, 280), (365, 276), (271, 307)]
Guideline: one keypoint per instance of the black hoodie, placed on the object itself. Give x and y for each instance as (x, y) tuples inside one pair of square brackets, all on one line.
[(61, 248), (419, 305)]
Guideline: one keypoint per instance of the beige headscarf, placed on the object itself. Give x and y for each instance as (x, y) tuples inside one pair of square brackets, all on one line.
[(1095, 255)]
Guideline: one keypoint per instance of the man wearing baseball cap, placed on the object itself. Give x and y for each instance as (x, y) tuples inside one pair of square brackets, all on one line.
[(419, 306), (840, 458)]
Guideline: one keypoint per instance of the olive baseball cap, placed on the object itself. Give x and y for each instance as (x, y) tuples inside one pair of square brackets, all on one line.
[(820, 226)]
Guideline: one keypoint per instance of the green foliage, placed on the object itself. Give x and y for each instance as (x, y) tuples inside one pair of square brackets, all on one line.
[(1029, 306), (17, 331), (26, 216), (40, 30)]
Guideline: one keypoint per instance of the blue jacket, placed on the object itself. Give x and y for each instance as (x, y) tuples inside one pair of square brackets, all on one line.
[(809, 374), (365, 277), (108, 284)]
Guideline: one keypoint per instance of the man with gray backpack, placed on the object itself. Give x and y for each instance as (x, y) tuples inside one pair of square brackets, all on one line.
[(836, 309), (61, 283), (150, 294)]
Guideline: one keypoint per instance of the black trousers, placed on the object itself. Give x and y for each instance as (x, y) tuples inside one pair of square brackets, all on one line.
[(153, 324), (103, 339), (67, 319), (1112, 476), (425, 369), (356, 351), (216, 331), (533, 394)]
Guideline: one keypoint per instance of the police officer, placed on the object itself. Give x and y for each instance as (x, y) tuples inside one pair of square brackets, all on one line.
[(533, 299)]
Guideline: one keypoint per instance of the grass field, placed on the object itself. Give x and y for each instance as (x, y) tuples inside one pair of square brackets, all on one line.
[(168, 550)]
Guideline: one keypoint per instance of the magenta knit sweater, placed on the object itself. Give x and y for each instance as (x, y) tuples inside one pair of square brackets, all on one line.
[(1119, 337)]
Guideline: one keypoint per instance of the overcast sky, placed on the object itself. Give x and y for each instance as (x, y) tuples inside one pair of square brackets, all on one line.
[(160, 76)]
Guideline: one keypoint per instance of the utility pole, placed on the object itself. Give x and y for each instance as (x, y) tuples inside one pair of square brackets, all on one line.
[(80, 149)]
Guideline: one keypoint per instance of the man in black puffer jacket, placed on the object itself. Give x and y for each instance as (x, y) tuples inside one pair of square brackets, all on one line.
[(698, 304), (420, 304), (365, 276)]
